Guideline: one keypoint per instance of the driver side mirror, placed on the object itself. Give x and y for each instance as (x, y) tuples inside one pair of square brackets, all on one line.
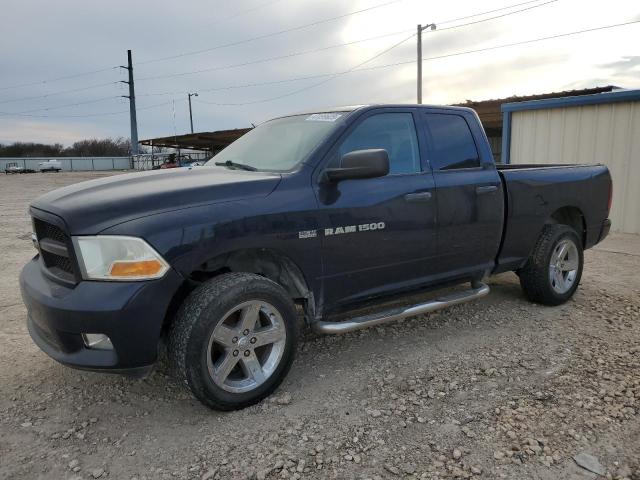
[(371, 163)]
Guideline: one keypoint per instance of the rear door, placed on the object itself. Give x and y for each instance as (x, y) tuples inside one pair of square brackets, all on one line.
[(378, 234), (470, 200)]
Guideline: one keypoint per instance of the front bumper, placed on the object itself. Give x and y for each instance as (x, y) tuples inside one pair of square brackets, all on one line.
[(129, 313)]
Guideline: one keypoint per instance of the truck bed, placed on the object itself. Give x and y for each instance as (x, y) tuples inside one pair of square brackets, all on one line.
[(538, 194)]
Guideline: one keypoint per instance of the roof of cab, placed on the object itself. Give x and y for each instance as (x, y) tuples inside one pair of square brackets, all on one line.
[(352, 108)]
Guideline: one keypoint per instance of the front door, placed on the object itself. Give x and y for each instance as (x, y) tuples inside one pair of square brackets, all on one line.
[(378, 235)]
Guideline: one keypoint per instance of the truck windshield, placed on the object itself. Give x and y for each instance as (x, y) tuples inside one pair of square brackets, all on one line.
[(277, 145)]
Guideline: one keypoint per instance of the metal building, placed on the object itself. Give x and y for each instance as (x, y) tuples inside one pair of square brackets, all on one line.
[(491, 115), (601, 128)]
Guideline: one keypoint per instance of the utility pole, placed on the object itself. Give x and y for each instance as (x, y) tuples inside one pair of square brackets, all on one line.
[(132, 105), (190, 113), (432, 26)]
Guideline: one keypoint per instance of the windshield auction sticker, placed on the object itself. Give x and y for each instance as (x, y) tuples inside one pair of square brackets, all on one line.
[(324, 117)]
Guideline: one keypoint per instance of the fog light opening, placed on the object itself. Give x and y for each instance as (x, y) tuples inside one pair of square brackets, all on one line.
[(97, 341)]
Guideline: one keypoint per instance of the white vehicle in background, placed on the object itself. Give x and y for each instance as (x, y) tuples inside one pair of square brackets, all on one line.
[(50, 166), (13, 168)]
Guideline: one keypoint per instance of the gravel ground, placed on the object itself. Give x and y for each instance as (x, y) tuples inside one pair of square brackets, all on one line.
[(499, 388)]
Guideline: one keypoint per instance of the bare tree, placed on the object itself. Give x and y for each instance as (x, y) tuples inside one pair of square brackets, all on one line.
[(108, 147), (99, 148), (31, 149)]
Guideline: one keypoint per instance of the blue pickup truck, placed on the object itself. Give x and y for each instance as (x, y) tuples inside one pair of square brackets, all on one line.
[(301, 222)]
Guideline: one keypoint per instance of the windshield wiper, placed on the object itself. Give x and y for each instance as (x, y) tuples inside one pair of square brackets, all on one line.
[(241, 166)]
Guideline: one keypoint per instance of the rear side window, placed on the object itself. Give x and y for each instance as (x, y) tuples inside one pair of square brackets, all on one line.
[(393, 132), (451, 144)]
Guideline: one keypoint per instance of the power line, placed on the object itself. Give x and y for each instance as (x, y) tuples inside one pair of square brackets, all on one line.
[(379, 54), (488, 11), (59, 92), (272, 34), (271, 59), (96, 100), (532, 40), (396, 64), (316, 50), (354, 69), (244, 85), (83, 116), (491, 18), (269, 35), (51, 80), (91, 72), (406, 62)]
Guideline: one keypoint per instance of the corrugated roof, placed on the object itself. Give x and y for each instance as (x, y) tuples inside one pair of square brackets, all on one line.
[(211, 141), (491, 115)]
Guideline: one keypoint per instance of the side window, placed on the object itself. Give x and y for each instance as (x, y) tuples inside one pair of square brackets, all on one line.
[(394, 132), (451, 143)]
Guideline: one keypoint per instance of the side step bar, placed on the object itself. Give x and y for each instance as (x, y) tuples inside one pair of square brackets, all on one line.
[(477, 290)]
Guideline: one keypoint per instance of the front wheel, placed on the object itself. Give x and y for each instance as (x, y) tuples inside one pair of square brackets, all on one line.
[(233, 340), (554, 268)]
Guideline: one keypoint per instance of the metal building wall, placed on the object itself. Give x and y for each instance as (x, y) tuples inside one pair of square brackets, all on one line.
[(607, 133), (496, 148)]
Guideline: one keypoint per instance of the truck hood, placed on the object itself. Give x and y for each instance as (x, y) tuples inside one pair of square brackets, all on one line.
[(90, 207)]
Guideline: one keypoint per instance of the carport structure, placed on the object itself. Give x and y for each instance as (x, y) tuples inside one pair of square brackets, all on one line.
[(211, 142)]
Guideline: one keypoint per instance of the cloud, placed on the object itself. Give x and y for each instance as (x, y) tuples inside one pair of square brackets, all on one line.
[(39, 131), (71, 36), (625, 65), (624, 72)]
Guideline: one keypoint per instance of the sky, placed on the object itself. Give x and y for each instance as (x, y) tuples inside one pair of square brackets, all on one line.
[(251, 60)]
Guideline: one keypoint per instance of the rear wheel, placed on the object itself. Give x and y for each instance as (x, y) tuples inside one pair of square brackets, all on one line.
[(233, 340), (554, 268)]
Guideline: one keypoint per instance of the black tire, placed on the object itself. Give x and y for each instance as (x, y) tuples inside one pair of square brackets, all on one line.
[(201, 312), (535, 275)]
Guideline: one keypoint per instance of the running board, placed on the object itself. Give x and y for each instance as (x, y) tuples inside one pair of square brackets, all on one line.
[(477, 290)]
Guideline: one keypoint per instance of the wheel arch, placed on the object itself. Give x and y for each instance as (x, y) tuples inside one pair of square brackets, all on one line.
[(267, 262), (571, 216)]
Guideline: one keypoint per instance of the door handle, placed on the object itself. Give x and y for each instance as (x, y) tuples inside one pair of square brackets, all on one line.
[(418, 197), (486, 189)]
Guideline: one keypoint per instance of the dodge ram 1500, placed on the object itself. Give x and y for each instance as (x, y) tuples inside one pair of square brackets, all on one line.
[(309, 215)]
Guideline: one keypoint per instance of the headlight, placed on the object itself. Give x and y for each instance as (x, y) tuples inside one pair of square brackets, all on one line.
[(114, 257)]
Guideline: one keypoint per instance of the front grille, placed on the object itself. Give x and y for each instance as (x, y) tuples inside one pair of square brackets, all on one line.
[(52, 260), (46, 230), (55, 248)]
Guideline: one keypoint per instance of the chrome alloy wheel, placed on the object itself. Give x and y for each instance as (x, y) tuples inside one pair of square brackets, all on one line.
[(245, 348), (563, 266)]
